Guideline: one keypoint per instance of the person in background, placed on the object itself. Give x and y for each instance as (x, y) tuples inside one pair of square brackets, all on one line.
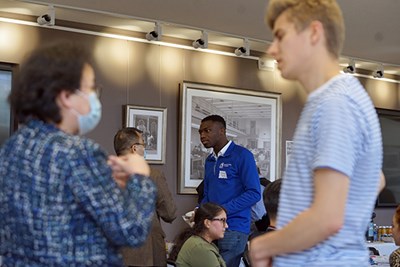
[(152, 252), (394, 259), (194, 247), (60, 203), (231, 180), (270, 201), (258, 213), (334, 173)]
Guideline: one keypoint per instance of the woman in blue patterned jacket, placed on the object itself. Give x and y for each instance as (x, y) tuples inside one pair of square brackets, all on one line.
[(59, 202)]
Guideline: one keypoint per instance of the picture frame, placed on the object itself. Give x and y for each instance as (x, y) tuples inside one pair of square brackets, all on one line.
[(253, 120), (289, 150), (152, 121), (8, 121)]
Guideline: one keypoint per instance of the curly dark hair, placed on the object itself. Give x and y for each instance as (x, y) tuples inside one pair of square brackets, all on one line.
[(206, 211), (43, 75)]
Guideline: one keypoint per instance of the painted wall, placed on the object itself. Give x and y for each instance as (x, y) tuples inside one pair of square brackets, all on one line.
[(149, 75)]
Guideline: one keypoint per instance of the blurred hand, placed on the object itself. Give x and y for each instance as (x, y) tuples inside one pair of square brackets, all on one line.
[(126, 165), (256, 253), (121, 179), (262, 263)]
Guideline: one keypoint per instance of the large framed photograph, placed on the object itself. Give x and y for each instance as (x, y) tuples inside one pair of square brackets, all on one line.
[(8, 122), (253, 120), (152, 122)]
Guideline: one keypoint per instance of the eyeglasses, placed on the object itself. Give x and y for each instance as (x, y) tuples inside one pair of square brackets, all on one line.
[(97, 89), (140, 144), (223, 220)]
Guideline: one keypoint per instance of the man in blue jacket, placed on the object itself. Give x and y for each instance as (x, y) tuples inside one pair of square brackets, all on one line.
[(231, 180)]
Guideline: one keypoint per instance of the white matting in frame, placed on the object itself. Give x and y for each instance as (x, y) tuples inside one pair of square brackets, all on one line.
[(253, 120), (152, 121)]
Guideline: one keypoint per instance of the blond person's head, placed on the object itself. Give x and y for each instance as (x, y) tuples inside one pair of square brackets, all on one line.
[(303, 12)]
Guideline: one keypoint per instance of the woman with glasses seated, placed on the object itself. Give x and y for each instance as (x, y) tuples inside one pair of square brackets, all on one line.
[(195, 247)]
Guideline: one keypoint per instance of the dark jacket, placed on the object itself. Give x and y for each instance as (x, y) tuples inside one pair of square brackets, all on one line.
[(153, 251)]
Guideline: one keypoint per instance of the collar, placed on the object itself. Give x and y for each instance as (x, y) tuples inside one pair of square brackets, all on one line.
[(327, 84), (222, 151)]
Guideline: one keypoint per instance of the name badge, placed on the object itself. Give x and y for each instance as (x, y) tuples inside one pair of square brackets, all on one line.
[(222, 175)]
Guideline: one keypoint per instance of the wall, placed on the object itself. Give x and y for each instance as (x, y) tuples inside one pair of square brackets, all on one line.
[(149, 75), (384, 95)]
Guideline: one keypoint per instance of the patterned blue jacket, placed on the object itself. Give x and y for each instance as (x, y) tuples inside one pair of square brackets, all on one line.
[(59, 205)]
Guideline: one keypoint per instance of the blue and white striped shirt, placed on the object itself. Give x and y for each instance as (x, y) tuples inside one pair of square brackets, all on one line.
[(59, 205), (338, 129)]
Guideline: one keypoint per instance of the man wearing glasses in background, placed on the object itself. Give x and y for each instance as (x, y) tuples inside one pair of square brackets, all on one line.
[(152, 253)]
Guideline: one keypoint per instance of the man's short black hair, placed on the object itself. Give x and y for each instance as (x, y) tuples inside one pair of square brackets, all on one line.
[(216, 118)]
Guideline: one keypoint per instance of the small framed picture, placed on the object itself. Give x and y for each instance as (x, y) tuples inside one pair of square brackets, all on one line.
[(152, 121)]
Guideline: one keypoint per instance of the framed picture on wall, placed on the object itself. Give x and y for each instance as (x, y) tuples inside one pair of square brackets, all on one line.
[(152, 121), (289, 149), (8, 123), (253, 120)]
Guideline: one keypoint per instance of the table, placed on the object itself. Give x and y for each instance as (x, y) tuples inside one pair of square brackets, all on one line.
[(384, 248)]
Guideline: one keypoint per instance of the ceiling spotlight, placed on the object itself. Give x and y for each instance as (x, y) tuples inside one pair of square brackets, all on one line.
[(378, 73), (202, 42), (351, 68), (156, 34), (47, 19), (243, 50)]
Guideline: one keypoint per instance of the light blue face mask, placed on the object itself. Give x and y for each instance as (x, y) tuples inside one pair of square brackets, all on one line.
[(144, 153), (89, 121)]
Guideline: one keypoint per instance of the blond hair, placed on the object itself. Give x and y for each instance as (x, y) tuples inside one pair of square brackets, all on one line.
[(303, 12)]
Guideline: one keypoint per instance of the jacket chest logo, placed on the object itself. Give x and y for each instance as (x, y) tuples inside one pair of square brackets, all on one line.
[(224, 165)]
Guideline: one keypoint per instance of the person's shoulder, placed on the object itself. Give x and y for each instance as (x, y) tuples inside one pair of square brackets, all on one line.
[(241, 150), (237, 147), (155, 172), (156, 175), (80, 142), (195, 241), (77, 146), (198, 246), (343, 84)]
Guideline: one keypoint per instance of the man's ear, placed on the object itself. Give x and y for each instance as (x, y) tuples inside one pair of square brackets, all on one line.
[(222, 130), (317, 31)]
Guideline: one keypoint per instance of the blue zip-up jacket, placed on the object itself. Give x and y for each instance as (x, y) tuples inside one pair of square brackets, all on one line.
[(232, 181)]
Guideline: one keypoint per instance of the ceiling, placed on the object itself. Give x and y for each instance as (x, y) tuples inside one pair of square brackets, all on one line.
[(372, 26)]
